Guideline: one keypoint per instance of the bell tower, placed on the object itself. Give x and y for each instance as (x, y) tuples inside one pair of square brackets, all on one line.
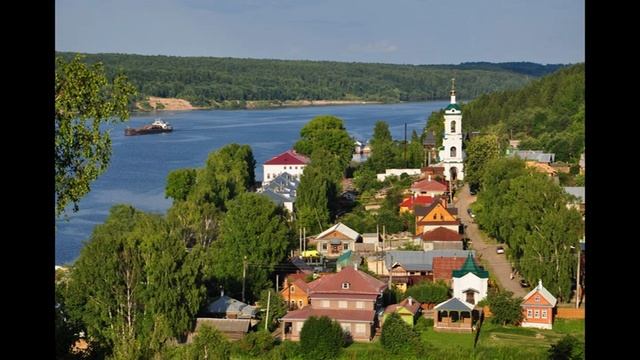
[(451, 155)]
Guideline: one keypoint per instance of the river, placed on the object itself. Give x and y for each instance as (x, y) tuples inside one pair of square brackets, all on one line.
[(140, 164)]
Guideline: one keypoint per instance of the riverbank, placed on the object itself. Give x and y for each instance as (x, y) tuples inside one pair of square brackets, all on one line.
[(154, 103)]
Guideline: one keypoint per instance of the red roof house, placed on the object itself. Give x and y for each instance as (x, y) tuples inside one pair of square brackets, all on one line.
[(350, 297)]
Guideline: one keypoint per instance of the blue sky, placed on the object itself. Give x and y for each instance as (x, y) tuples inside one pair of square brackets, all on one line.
[(385, 31)]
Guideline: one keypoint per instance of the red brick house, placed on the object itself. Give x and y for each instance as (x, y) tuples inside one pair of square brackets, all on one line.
[(351, 297), (538, 308)]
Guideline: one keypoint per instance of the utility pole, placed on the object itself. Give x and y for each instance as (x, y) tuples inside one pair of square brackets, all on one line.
[(268, 304), (578, 281), (277, 281), (244, 275), (304, 238)]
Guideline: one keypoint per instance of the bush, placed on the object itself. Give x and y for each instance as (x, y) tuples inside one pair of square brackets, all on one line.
[(429, 293), (256, 343), (287, 350), (567, 348), (397, 336), (321, 338), (423, 324), (505, 308)]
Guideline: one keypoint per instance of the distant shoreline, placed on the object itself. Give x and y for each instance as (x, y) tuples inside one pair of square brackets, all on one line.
[(174, 104)]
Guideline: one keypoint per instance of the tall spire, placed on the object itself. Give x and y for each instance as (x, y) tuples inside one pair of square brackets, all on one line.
[(453, 91)]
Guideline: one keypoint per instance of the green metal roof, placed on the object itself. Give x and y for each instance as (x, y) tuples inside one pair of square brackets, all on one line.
[(343, 260), (453, 106), (470, 266)]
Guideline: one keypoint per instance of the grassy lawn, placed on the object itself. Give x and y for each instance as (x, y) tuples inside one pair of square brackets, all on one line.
[(494, 342)]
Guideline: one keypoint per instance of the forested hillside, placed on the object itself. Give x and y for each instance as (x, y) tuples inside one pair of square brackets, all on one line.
[(205, 81), (546, 114)]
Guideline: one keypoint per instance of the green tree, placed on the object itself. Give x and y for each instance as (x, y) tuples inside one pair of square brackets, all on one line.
[(479, 151), (134, 286), (567, 348), (505, 308), (84, 100), (229, 171), (326, 132), (321, 338), (318, 191), (397, 336), (194, 223), (256, 228), (277, 308), (428, 292), (209, 343), (381, 134), (180, 183), (256, 344)]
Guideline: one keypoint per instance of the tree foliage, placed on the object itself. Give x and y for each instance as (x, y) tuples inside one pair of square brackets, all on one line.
[(505, 308), (256, 228), (277, 308), (84, 101), (210, 81), (180, 183), (321, 338), (134, 287), (318, 191), (479, 151), (567, 348), (228, 171), (328, 133), (429, 292), (397, 336), (209, 343)]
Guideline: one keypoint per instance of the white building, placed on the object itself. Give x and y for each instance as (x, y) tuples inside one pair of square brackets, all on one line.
[(470, 282), (451, 155), (289, 161)]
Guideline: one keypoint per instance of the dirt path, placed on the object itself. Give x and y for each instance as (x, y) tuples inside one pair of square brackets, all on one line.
[(498, 264)]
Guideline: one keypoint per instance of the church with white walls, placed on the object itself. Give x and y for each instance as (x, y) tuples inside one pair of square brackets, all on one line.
[(451, 155)]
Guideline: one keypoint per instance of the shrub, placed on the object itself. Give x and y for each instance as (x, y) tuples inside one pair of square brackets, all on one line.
[(256, 343), (567, 348), (430, 293), (423, 324), (321, 338), (505, 308), (397, 336)]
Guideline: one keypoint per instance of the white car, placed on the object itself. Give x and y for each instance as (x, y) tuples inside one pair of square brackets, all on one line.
[(500, 250)]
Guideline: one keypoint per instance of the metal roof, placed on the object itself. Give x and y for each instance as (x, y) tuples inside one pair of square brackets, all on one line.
[(454, 304), (421, 260), (577, 191), (340, 227), (543, 291)]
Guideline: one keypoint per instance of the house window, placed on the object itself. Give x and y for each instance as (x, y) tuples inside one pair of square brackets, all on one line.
[(529, 313), (470, 297), (452, 151), (360, 305), (345, 246), (453, 126), (268, 176), (435, 216), (293, 303), (300, 303), (326, 303), (345, 285), (342, 304), (299, 326), (296, 168), (536, 314), (292, 288), (537, 298), (324, 246), (544, 314), (361, 328)]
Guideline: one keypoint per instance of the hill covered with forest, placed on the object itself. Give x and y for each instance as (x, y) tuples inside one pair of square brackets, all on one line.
[(546, 114), (214, 81)]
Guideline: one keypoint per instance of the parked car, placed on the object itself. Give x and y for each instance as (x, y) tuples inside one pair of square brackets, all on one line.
[(500, 250), (524, 283)]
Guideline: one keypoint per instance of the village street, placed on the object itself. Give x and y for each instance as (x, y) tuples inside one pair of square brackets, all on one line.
[(498, 264)]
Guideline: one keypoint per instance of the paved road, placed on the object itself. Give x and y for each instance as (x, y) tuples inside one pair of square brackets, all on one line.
[(498, 264)]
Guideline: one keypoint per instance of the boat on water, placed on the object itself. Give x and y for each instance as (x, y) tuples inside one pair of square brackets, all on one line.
[(156, 127)]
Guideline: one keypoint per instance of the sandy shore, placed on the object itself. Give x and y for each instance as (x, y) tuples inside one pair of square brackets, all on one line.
[(173, 104)]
